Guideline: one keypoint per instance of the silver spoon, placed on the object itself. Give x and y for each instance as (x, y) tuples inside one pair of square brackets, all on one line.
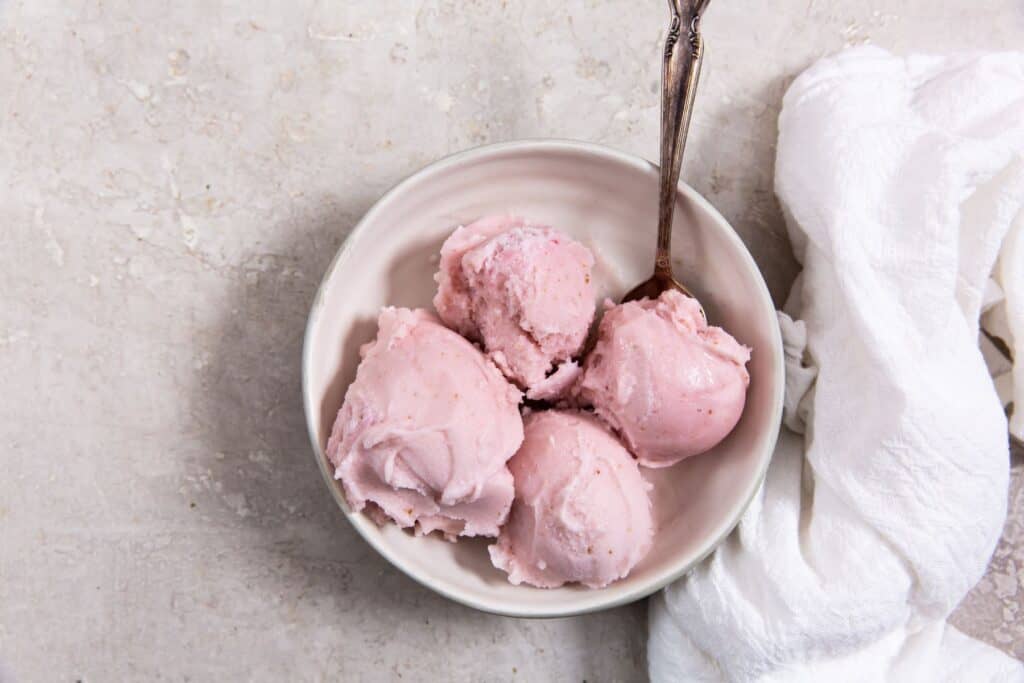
[(684, 50)]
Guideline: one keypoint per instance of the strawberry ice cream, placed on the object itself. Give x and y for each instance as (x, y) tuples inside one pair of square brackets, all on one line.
[(581, 512), (668, 383), (430, 435), (426, 429), (523, 291)]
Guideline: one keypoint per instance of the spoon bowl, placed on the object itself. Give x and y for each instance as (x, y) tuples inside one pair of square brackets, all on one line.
[(652, 287)]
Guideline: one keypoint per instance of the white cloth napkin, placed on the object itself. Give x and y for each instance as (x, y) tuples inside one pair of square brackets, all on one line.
[(902, 183)]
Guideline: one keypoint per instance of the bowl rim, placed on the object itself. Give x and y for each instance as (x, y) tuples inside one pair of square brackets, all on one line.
[(362, 524)]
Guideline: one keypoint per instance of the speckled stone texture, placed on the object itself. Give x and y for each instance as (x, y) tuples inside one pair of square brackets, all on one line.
[(175, 178)]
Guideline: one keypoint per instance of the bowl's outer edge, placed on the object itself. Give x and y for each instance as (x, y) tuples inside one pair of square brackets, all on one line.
[(363, 524)]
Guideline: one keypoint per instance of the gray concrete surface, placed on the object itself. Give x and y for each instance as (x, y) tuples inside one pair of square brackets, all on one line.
[(175, 177)]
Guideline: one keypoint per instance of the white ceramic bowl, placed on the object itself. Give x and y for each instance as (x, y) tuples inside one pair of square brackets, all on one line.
[(606, 200)]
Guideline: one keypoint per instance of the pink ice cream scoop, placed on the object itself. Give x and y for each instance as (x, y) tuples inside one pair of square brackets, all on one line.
[(426, 429), (668, 383), (523, 291), (582, 511)]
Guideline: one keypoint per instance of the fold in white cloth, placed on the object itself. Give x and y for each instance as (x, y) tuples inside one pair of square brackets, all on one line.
[(902, 183)]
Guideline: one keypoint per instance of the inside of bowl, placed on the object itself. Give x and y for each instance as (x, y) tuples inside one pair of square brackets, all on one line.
[(608, 202)]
